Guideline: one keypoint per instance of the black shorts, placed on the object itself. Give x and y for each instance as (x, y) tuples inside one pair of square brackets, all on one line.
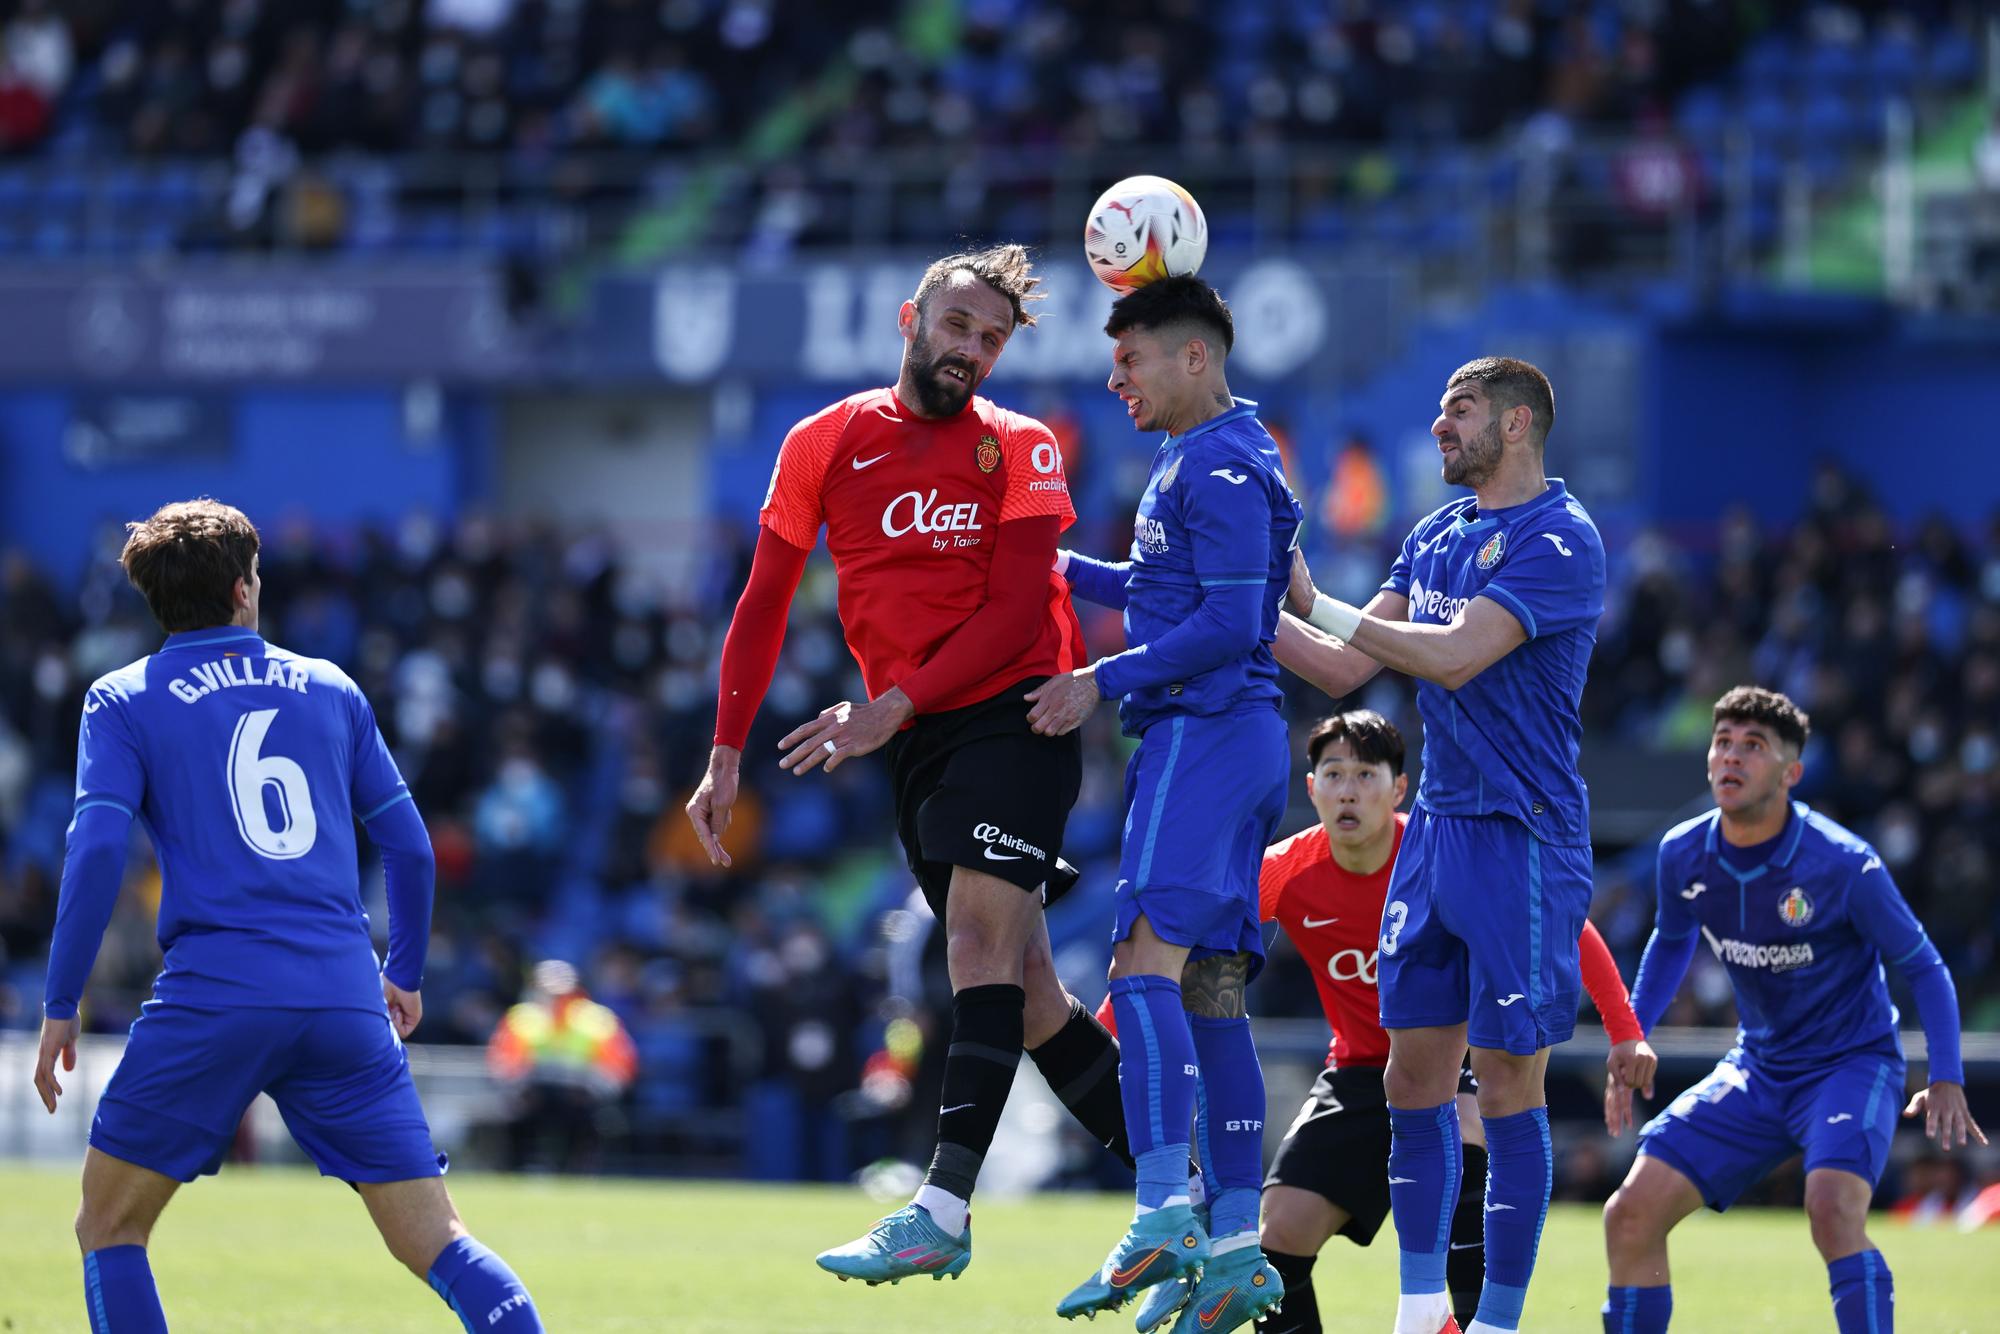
[(976, 787), (1338, 1148)]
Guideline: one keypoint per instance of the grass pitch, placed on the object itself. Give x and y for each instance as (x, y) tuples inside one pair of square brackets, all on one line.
[(272, 1249)]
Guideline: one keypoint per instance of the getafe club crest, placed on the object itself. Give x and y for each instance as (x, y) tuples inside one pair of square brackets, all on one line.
[(1167, 477), (1795, 907), (987, 456), (1489, 554)]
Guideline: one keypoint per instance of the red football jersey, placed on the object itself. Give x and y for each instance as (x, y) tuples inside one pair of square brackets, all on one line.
[(911, 506), (1334, 919)]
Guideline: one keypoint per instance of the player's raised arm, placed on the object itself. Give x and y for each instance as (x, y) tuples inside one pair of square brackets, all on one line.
[(1315, 656)]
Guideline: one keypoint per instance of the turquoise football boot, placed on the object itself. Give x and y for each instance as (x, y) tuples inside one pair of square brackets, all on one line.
[(1159, 1246), (905, 1244), (1163, 1299), (1233, 1290)]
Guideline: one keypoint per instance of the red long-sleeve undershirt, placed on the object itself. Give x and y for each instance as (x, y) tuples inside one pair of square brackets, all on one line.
[(1017, 592)]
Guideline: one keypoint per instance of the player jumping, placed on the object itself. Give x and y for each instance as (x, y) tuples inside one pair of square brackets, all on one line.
[(1493, 606), (1803, 915), (249, 766), (1210, 560), (942, 513)]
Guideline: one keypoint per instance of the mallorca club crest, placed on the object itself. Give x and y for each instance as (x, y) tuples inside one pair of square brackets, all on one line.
[(1489, 554), (987, 456), (1173, 471), (1795, 907)]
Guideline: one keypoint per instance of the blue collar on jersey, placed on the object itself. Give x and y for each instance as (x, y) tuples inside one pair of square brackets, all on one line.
[(218, 634), (1555, 493), (1788, 842), (1245, 407)]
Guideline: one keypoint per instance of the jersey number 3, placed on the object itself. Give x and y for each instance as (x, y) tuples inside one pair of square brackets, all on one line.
[(250, 774)]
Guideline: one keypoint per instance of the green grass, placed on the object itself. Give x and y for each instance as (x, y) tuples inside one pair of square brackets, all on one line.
[(260, 1250)]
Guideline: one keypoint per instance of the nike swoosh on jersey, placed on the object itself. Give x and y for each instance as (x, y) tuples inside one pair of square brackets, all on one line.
[(1402, 1181), (1496, 1208), (1324, 921), (993, 856), (946, 1111), (859, 464)]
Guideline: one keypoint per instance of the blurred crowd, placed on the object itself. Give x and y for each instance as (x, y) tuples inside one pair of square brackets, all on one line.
[(528, 127), (551, 712)]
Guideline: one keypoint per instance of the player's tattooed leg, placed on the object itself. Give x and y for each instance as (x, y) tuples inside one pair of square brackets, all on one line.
[(1213, 988)]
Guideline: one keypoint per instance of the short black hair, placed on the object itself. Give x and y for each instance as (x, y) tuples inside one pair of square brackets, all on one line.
[(1372, 738), (1166, 302), (1511, 383), (1755, 704), (1007, 269)]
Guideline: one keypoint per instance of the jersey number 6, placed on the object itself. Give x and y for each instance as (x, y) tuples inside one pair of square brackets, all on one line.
[(249, 774)]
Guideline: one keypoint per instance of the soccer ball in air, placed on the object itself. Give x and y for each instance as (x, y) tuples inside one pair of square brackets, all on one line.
[(1142, 228)]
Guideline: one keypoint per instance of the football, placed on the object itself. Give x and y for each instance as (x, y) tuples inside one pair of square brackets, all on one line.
[(1142, 228)]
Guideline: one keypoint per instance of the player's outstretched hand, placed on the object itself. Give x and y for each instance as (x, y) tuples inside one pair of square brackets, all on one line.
[(1299, 598), (1617, 1104), (406, 1008), (708, 808), (845, 731), (1941, 1105), (58, 1039), (1063, 701), (1632, 1064)]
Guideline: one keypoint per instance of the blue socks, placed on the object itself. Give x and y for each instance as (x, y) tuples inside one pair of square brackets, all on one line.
[(1232, 1149), (1423, 1189), (1864, 1294), (482, 1291), (118, 1291), (1520, 1171), (1638, 1310), (1156, 1081)]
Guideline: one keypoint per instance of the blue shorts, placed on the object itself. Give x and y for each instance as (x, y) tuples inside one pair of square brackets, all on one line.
[(1203, 799), (340, 1078), (1480, 929), (1740, 1122)]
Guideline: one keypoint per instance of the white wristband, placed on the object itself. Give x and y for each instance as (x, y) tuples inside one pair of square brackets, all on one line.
[(1337, 618), (1062, 561)]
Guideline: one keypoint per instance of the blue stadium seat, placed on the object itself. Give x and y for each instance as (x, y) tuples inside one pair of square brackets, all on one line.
[(1953, 60), (1703, 116)]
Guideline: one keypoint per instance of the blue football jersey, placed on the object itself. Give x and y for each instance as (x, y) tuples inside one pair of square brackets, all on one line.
[(1803, 935), (248, 766), (1217, 511), (1506, 741)]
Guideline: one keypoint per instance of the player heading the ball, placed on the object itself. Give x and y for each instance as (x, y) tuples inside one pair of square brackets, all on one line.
[(941, 512)]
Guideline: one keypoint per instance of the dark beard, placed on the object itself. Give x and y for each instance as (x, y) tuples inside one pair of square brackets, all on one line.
[(1478, 458), (937, 396)]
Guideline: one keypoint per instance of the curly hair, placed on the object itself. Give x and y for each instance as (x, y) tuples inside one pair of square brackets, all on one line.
[(1755, 704)]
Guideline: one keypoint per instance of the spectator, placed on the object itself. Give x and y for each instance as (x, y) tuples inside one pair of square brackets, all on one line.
[(564, 1060)]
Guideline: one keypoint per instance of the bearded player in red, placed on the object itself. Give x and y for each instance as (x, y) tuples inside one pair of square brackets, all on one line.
[(942, 513), (1325, 886)]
